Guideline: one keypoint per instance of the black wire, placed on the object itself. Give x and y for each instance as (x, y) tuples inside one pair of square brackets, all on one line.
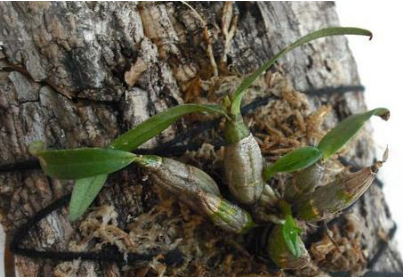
[(171, 148), (383, 247), (24, 229), (20, 166), (173, 257), (368, 274), (334, 90), (383, 274)]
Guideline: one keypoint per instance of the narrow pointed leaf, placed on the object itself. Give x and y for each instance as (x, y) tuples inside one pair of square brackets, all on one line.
[(84, 192), (129, 141), (332, 31), (297, 159), (159, 122), (83, 162), (346, 130), (291, 236)]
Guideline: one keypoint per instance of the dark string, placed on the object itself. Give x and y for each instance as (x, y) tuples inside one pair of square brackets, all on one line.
[(368, 274), (171, 148), (334, 90), (20, 166), (168, 148), (173, 257), (383, 247), (383, 274)]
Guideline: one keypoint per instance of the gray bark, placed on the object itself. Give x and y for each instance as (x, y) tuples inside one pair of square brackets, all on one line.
[(76, 74)]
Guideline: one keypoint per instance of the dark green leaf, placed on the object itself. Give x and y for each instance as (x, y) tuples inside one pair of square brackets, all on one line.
[(346, 130), (84, 192), (290, 230), (290, 234), (131, 140), (297, 159), (332, 31), (159, 122), (83, 162)]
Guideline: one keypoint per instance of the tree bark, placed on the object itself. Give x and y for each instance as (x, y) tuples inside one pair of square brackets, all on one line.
[(76, 74)]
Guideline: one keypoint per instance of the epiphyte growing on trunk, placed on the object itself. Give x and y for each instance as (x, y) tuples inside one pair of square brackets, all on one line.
[(244, 168)]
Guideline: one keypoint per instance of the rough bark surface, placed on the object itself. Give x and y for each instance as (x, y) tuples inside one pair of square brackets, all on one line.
[(76, 74)]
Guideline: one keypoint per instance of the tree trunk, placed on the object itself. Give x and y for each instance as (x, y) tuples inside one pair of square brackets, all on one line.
[(76, 74)]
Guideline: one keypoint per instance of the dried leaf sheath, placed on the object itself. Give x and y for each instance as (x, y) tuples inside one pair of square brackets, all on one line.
[(328, 200)]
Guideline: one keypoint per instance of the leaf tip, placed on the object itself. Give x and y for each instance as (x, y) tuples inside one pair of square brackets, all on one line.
[(36, 147), (385, 115)]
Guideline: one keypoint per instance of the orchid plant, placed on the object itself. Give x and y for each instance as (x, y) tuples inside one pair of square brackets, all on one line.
[(246, 176)]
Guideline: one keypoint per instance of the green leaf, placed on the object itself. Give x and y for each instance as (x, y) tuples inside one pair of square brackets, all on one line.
[(346, 130), (83, 162), (159, 122), (290, 234), (332, 31), (290, 230), (297, 159), (84, 192)]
